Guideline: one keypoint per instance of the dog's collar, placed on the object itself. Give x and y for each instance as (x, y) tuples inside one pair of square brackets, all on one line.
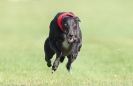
[(59, 19)]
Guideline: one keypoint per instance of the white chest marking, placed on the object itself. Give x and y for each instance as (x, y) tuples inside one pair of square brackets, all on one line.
[(65, 44)]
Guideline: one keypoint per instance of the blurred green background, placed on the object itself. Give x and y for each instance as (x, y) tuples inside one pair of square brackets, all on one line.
[(106, 58)]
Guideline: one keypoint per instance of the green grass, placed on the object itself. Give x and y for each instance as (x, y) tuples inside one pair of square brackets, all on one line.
[(106, 58)]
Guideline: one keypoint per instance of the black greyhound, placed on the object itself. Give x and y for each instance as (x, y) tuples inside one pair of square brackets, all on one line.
[(65, 39)]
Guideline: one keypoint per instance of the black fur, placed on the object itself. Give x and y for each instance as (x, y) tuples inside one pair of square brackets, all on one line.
[(55, 43)]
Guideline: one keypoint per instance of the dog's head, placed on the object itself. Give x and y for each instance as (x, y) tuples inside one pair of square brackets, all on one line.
[(70, 26)]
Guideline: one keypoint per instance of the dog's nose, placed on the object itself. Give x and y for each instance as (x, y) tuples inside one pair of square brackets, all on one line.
[(71, 35)]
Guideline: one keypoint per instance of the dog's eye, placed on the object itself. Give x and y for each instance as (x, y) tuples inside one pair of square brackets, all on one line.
[(65, 25)]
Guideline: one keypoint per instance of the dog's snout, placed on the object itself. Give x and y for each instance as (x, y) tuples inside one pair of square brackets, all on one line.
[(70, 35)]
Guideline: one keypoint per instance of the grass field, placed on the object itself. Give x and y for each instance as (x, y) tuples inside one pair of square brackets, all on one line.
[(106, 58)]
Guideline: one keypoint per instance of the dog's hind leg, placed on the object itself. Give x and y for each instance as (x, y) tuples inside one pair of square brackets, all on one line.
[(48, 52)]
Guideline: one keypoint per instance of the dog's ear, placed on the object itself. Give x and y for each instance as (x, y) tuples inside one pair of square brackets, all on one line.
[(71, 13), (77, 19)]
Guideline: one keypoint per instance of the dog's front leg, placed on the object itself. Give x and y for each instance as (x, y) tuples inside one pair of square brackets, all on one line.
[(56, 62), (71, 59), (55, 46)]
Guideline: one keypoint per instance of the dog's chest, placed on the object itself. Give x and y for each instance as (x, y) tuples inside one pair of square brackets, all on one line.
[(65, 44), (66, 48)]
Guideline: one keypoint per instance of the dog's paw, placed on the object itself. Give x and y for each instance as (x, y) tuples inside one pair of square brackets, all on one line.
[(54, 68), (53, 71), (68, 67), (49, 64), (62, 59)]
